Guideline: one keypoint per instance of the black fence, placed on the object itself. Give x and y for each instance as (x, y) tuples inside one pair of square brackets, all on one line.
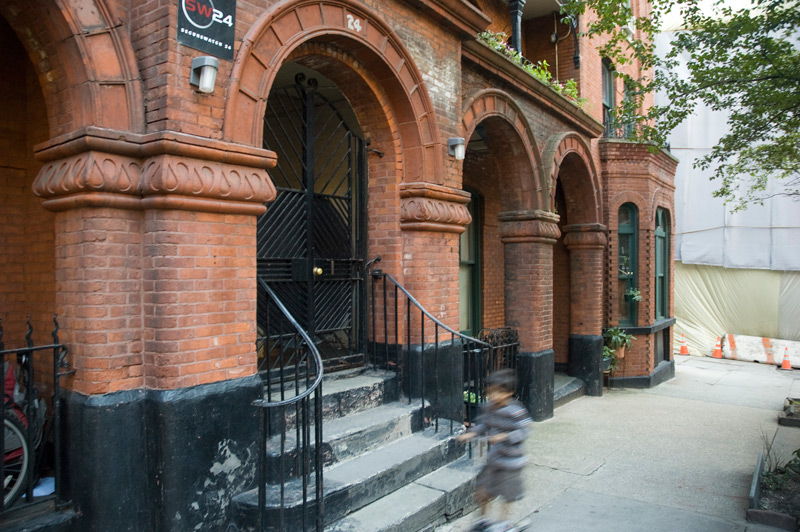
[(31, 439)]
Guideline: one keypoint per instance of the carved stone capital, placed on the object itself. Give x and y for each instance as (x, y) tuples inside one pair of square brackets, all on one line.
[(429, 207), (529, 226), (99, 168), (589, 236)]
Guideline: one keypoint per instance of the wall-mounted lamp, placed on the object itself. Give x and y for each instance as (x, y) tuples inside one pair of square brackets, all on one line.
[(204, 73), (457, 148)]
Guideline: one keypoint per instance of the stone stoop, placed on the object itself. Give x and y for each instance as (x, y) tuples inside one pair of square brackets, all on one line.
[(567, 389), (384, 471)]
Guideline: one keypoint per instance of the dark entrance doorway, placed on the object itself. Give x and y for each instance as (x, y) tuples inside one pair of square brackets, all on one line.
[(312, 239)]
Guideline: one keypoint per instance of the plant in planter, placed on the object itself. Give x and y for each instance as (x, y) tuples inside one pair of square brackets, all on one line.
[(617, 340), (472, 401), (634, 294), (610, 360)]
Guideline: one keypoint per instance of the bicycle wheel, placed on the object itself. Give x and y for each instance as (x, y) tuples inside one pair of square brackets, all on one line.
[(16, 458)]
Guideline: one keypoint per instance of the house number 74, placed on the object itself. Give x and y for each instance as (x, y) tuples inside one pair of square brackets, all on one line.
[(353, 23)]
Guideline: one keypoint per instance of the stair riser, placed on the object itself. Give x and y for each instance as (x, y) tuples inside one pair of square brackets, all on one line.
[(342, 500), (339, 449), (339, 404)]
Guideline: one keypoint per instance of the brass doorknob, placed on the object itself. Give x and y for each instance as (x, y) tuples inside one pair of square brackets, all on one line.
[(317, 270)]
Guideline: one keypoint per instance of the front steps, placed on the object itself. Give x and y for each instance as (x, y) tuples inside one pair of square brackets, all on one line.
[(383, 470)]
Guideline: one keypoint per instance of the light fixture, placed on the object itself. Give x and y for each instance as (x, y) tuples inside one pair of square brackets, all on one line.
[(457, 148), (204, 73)]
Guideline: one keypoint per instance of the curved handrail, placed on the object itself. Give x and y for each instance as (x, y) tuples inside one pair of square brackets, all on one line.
[(312, 347), (428, 314)]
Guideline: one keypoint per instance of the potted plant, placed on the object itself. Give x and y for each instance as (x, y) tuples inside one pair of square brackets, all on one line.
[(634, 294), (610, 360), (617, 341), (472, 401)]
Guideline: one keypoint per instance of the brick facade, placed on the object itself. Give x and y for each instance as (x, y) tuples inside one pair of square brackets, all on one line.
[(130, 200)]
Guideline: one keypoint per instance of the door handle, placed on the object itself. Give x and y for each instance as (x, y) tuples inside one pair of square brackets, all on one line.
[(317, 271)]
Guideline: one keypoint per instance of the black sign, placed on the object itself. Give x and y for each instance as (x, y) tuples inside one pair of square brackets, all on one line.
[(207, 25)]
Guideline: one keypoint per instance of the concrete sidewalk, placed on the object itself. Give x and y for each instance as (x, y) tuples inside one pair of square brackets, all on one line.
[(677, 457)]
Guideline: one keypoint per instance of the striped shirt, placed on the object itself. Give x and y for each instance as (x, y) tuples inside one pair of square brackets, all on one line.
[(511, 419)]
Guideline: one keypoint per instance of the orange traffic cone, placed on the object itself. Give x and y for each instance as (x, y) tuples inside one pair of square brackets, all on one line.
[(684, 347), (786, 364), (717, 350)]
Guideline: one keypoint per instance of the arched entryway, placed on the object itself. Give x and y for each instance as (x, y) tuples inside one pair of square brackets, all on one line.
[(578, 260)]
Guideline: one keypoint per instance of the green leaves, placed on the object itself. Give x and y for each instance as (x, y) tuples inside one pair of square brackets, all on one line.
[(745, 62)]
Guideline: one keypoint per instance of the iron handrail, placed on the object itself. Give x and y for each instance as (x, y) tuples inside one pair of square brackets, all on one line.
[(303, 412), (378, 273), (311, 346)]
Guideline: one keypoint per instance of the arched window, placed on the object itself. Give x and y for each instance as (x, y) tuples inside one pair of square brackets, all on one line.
[(662, 264), (627, 263)]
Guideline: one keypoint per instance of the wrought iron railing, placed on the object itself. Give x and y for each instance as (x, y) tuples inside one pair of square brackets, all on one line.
[(289, 412), (26, 431), (406, 338)]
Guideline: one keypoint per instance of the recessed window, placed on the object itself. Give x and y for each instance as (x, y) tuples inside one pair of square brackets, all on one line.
[(608, 96), (662, 264), (627, 262)]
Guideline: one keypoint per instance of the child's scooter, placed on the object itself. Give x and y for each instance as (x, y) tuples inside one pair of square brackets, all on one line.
[(487, 525)]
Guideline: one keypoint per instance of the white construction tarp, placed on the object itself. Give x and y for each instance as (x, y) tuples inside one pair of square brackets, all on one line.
[(711, 302)]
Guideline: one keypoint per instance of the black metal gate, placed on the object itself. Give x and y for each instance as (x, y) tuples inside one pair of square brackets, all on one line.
[(311, 240)]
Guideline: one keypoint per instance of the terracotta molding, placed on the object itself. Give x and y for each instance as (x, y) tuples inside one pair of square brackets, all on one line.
[(529, 226), (432, 191), (589, 236), (484, 57), (77, 174), (460, 15), (427, 214), (147, 145)]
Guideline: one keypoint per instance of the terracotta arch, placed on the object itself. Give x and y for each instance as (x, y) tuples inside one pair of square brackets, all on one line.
[(582, 186), (85, 62), (619, 199), (360, 33), (663, 199), (490, 103)]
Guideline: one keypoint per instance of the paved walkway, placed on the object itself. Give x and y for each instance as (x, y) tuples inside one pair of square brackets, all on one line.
[(677, 457)]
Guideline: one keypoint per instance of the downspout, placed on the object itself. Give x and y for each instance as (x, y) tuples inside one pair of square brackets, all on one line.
[(515, 9)]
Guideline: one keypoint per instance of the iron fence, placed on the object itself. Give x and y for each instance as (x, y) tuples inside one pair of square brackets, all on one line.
[(27, 432)]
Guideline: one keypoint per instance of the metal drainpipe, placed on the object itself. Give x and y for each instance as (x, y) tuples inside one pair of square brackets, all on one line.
[(515, 8)]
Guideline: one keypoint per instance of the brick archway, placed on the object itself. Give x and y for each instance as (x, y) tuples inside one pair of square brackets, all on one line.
[(85, 64), (491, 103), (359, 33), (567, 157)]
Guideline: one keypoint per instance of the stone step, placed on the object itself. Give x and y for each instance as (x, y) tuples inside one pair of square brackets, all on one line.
[(346, 437), (355, 483), (343, 393), (567, 389), (438, 497)]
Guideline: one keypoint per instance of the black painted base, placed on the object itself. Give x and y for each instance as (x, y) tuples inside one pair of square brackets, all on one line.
[(664, 372), (161, 460), (438, 377), (535, 377), (586, 361)]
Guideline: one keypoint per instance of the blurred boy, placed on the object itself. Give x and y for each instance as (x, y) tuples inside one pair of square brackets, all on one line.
[(505, 422)]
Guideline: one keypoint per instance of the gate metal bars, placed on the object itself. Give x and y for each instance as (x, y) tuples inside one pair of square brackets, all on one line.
[(311, 240), (23, 479)]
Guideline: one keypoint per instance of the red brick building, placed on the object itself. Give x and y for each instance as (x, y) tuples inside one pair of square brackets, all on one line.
[(133, 206)]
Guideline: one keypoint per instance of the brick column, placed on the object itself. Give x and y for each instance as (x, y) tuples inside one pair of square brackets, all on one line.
[(156, 293), (586, 244), (528, 238)]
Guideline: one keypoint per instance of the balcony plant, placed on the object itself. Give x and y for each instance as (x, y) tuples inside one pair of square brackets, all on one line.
[(617, 341), (539, 70)]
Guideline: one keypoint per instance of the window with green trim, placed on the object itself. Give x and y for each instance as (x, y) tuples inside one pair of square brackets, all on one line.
[(662, 264), (627, 264), (469, 269)]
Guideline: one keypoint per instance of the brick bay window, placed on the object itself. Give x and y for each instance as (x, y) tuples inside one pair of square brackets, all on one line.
[(627, 260)]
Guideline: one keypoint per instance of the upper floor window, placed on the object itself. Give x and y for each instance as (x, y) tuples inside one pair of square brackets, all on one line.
[(662, 264), (627, 264), (608, 95)]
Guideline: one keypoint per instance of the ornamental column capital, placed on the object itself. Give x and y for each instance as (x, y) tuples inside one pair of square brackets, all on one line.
[(529, 226), (429, 207)]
